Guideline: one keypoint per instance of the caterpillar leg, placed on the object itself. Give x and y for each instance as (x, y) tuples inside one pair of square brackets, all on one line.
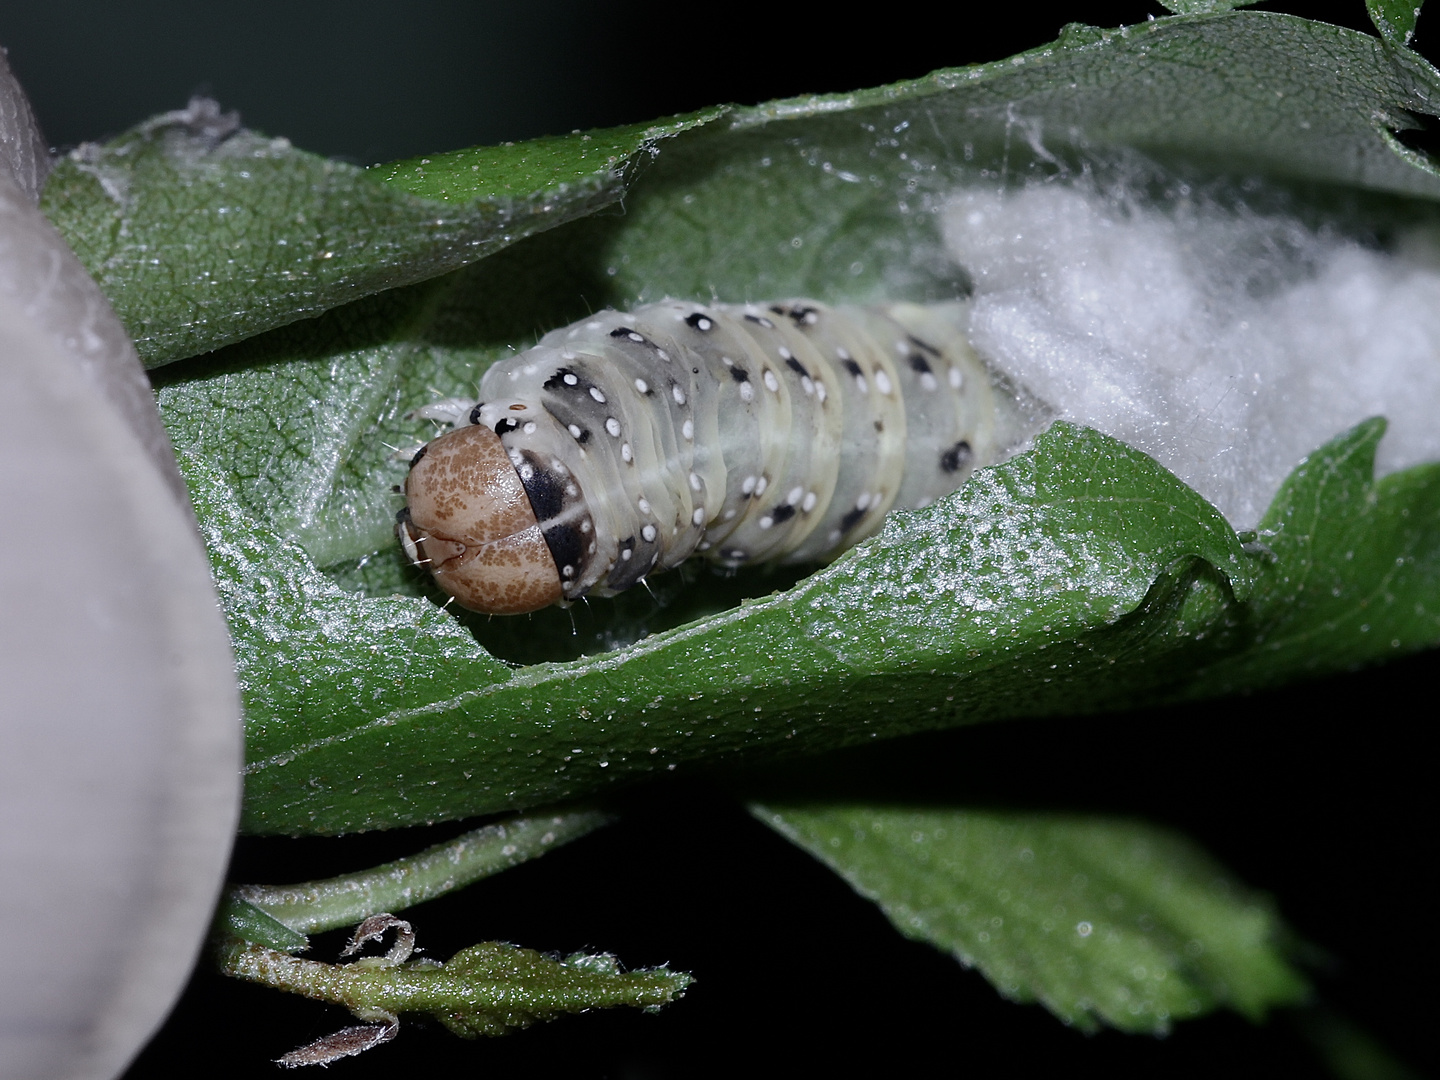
[(445, 411)]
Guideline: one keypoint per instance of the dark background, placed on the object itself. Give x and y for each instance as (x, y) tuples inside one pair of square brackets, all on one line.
[(1320, 795), (370, 81)]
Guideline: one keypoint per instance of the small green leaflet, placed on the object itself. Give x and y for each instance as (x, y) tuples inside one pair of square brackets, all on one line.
[(1395, 19), (1100, 920)]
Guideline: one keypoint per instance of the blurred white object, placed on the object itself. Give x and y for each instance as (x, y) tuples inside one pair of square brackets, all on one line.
[(120, 734)]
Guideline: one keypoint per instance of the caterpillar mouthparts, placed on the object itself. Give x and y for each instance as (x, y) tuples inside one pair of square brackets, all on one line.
[(625, 443)]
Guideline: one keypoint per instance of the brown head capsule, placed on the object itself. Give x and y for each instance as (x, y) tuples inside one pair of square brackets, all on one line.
[(469, 522)]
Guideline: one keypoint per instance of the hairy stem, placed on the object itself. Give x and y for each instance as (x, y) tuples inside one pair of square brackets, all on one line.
[(313, 906)]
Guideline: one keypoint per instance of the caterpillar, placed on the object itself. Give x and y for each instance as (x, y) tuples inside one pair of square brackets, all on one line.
[(623, 444)]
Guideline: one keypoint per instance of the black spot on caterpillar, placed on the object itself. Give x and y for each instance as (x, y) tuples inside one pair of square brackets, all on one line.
[(628, 442)]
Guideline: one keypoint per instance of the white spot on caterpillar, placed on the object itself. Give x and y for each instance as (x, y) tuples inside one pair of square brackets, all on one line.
[(643, 504), (809, 501), (747, 392), (766, 521), (773, 384), (928, 383), (688, 430), (571, 379), (956, 378), (794, 496), (612, 426), (761, 485), (642, 386), (747, 486), (882, 382), (695, 484), (698, 517), (649, 532), (626, 454), (808, 384), (529, 428), (597, 395), (575, 431)]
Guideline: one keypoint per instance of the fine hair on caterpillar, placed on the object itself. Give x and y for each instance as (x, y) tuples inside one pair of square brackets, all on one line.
[(624, 444)]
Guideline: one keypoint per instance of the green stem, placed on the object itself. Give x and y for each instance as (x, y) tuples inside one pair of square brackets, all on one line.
[(312, 906), (489, 978)]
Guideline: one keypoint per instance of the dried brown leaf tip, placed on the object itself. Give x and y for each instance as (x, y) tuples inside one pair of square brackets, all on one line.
[(347, 1042)]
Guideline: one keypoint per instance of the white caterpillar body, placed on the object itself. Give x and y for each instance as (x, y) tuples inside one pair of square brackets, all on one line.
[(739, 432)]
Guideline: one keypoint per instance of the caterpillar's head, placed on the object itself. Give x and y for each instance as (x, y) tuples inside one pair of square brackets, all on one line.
[(470, 523)]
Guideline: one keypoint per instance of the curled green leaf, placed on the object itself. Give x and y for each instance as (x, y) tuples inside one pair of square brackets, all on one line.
[(1018, 595), (202, 232), (1079, 577)]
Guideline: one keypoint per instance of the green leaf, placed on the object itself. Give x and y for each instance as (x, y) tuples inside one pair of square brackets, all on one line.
[(1395, 19), (1204, 7), (1081, 576), (1021, 594), (1354, 576), (202, 234), (241, 919), (1100, 920)]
